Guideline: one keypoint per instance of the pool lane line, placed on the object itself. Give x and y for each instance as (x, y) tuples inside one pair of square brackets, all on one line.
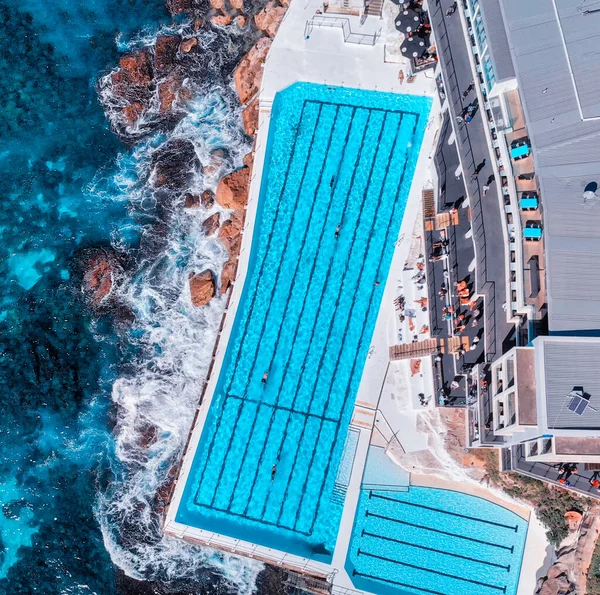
[(286, 409), (363, 253), (510, 548), (375, 109), (393, 582), (399, 190), (276, 405), (429, 570), (286, 367), (431, 549), (292, 154), (252, 519), (264, 324), (301, 382), (288, 235), (233, 432), (456, 514), (261, 458), (351, 185)]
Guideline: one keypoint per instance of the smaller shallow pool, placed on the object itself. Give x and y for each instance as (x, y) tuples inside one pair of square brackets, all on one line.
[(436, 542)]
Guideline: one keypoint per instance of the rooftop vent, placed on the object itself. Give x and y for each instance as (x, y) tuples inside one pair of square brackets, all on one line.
[(589, 194)]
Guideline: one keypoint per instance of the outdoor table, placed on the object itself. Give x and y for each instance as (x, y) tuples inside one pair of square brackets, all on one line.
[(518, 152)]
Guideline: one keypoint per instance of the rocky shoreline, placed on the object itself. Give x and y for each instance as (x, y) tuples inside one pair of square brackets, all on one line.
[(152, 89), (148, 95)]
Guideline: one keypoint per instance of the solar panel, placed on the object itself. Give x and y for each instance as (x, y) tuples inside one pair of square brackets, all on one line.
[(578, 403)]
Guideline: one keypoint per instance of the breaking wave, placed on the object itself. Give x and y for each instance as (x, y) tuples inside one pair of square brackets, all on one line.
[(173, 340)]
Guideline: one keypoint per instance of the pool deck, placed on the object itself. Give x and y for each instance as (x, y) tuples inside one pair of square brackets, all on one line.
[(326, 59)]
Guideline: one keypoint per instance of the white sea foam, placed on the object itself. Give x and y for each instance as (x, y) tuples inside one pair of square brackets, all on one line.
[(156, 403)]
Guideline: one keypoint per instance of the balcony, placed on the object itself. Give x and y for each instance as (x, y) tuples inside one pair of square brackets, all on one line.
[(550, 473)]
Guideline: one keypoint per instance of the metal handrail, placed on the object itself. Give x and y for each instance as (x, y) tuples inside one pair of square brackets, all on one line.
[(344, 24)]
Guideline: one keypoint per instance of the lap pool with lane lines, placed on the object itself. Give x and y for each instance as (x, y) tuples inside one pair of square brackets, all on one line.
[(429, 541), (267, 460)]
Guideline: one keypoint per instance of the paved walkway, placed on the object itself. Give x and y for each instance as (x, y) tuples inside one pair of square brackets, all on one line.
[(490, 279)]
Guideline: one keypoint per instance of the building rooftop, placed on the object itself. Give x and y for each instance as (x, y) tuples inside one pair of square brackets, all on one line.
[(497, 41), (565, 364), (526, 386), (555, 58)]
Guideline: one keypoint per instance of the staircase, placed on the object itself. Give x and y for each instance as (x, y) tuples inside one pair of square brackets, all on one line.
[(374, 8), (339, 493)]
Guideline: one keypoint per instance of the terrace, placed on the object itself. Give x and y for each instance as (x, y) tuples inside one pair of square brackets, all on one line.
[(551, 473)]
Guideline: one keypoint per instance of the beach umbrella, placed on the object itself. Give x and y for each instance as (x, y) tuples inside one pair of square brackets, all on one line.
[(407, 21), (413, 47)]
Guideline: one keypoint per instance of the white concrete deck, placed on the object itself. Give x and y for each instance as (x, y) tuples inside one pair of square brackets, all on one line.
[(325, 58)]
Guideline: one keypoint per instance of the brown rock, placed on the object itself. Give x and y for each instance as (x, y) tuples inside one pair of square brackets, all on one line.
[(210, 225), (207, 198), (218, 158), (250, 117), (98, 278), (188, 44), (179, 6), (133, 111), (240, 21), (202, 288), (556, 582), (228, 275), (269, 18), (135, 69), (221, 20), (218, 5), (232, 191), (148, 436), (175, 164), (168, 92), (191, 201), (231, 233), (249, 159), (248, 74), (165, 51), (198, 24), (185, 94), (237, 4)]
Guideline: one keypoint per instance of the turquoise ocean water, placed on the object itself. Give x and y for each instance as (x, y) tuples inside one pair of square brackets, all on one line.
[(95, 404)]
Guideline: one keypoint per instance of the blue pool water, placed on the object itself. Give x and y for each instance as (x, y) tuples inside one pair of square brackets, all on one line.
[(309, 305), (435, 542)]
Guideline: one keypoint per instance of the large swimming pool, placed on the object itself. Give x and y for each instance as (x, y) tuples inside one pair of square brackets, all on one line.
[(337, 174), (430, 541)]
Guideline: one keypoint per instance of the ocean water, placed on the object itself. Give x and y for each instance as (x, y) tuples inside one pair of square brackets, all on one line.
[(96, 402), (269, 453)]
